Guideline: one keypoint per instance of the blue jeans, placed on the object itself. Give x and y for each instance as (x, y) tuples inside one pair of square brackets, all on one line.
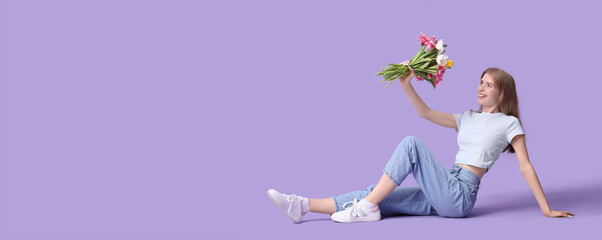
[(447, 193)]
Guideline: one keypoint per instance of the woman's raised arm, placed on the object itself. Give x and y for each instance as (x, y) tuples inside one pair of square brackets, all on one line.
[(437, 117)]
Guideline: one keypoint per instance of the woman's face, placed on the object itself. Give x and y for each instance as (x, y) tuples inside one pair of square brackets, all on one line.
[(488, 94)]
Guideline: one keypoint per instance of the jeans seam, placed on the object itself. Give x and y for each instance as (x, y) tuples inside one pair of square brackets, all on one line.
[(390, 177), (336, 204), (433, 167), (423, 200)]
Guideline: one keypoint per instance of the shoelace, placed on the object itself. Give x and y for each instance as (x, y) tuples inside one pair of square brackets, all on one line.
[(293, 198), (354, 207)]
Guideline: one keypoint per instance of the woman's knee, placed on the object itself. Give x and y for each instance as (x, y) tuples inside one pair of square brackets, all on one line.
[(409, 141), (408, 145)]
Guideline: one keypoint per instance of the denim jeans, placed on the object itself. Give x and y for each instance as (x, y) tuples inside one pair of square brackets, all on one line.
[(447, 193)]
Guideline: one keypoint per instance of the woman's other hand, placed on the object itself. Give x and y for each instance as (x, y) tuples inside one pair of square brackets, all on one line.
[(408, 78), (555, 213)]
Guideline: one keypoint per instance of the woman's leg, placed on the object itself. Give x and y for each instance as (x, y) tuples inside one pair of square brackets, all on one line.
[(384, 187), (406, 200), (402, 200), (437, 185), (325, 205), (438, 192)]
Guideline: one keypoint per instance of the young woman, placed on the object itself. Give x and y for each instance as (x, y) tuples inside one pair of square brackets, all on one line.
[(482, 136)]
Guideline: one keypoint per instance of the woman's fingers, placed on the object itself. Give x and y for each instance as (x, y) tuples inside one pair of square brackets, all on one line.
[(557, 213), (567, 214), (406, 63)]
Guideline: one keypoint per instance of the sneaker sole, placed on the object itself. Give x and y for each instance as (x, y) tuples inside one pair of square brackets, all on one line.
[(366, 219)]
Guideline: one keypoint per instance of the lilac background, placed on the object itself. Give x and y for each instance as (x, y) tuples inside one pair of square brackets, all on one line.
[(171, 119)]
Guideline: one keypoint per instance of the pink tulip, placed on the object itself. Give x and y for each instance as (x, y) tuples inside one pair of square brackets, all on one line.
[(431, 45), (423, 38), (439, 78), (440, 72), (432, 39)]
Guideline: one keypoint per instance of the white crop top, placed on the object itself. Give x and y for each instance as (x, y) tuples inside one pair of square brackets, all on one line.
[(483, 136)]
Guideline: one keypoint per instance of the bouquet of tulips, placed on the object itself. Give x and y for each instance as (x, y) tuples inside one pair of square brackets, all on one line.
[(429, 64)]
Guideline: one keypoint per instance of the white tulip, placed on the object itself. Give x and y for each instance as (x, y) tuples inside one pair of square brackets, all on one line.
[(442, 59), (440, 45)]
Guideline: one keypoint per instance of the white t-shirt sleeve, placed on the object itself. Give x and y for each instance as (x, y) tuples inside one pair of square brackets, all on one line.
[(514, 129), (458, 117)]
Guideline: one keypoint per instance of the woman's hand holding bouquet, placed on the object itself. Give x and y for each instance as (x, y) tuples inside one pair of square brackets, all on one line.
[(408, 78)]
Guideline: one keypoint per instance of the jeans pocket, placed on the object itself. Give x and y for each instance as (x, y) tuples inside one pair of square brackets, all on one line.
[(470, 189), (470, 197), (473, 188)]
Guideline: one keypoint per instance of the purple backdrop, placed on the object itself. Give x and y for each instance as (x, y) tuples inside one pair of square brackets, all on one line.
[(171, 119)]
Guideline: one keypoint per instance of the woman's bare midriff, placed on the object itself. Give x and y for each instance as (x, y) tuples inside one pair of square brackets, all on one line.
[(476, 170)]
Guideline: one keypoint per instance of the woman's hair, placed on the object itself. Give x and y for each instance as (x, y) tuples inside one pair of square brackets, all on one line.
[(509, 103)]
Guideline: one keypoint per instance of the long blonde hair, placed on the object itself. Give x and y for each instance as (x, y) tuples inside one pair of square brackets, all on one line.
[(509, 103)]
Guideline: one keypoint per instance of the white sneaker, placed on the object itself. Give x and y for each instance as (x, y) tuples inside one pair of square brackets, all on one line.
[(291, 205), (355, 213)]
